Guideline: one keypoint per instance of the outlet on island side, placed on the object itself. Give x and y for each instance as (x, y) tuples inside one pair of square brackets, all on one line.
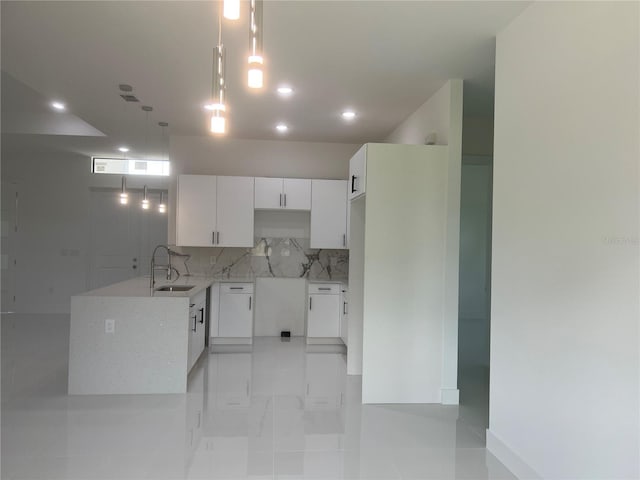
[(212, 260), (109, 325)]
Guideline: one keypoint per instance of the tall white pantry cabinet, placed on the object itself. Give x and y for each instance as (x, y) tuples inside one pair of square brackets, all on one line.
[(396, 271)]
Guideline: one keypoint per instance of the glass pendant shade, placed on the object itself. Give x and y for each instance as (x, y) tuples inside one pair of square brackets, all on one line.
[(218, 117), (255, 77), (124, 196), (231, 9)]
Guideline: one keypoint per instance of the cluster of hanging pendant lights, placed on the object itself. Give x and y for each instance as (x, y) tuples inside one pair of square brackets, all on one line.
[(255, 61)]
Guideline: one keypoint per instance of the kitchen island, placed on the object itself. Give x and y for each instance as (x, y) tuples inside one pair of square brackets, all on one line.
[(129, 339)]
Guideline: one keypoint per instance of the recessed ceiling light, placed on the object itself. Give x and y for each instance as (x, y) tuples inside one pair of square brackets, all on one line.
[(281, 127), (285, 90), (123, 149), (58, 106), (348, 114)]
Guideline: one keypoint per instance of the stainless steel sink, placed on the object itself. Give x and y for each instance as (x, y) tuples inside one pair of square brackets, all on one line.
[(175, 288)]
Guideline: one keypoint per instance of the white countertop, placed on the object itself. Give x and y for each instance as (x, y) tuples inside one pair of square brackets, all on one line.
[(139, 287)]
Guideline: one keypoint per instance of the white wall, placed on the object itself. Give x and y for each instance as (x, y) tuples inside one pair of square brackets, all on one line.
[(52, 244), (442, 114), (207, 155), (433, 116), (565, 305)]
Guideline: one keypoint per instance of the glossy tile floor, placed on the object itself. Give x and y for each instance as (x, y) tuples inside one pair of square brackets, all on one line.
[(281, 411)]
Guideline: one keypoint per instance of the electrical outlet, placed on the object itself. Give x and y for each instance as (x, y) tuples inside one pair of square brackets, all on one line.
[(212, 260), (109, 325)]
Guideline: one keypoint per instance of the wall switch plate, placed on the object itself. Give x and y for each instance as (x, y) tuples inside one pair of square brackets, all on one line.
[(109, 325)]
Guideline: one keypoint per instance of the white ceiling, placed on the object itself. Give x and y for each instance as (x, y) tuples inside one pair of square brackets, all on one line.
[(382, 58)]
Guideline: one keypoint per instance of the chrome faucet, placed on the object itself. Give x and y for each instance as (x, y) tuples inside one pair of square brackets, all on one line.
[(168, 267)]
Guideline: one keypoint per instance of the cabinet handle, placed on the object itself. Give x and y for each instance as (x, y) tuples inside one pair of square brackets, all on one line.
[(236, 288), (285, 200), (280, 199), (195, 323), (353, 184), (344, 239), (202, 316), (249, 302), (217, 238), (344, 308), (213, 238), (324, 288), (310, 299)]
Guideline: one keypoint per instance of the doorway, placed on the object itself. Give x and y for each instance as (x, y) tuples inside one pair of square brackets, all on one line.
[(475, 290)]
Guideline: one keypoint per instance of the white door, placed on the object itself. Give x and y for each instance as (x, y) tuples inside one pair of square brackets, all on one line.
[(268, 193), (9, 237), (122, 237), (235, 315), (358, 173), (328, 214), (196, 217), (297, 193), (235, 211), (323, 318)]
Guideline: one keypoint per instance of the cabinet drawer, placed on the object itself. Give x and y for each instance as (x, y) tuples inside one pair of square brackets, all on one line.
[(236, 288), (324, 288)]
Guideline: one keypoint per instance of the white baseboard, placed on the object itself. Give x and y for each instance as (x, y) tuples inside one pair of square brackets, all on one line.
[(450, 396), (231, 341), (324, 341), (510, 459)]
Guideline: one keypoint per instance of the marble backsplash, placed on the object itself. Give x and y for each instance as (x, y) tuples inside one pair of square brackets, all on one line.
[(271, 257)]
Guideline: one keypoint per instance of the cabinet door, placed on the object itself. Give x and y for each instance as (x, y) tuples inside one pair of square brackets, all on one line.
[(235, 315), (328, 214), (235, 212), (344, 316), (268, 193), (358, 173), (196, 212), (297, 193), (323, 318)]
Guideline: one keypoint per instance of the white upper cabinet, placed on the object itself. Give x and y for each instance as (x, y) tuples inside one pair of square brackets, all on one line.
[(297, 193), (268, 193), (279, 193), (328, 214), (358, 173), (235, 212), (214, 211), (196, 212)]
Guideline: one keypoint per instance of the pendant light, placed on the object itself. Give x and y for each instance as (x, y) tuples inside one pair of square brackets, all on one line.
[(124, 196), (218, 124), (255, 77), (145, 200), (231, 9), (162, 207)]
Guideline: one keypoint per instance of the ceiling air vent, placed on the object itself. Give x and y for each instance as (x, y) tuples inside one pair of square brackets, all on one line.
[(130, 98)]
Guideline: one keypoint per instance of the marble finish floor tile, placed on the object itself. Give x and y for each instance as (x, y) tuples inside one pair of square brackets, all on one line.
[(280, 411)]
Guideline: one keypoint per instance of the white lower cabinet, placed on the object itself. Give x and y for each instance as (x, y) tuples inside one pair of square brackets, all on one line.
[(197, 312), (323, 313), (344, 314), (235, 317)]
